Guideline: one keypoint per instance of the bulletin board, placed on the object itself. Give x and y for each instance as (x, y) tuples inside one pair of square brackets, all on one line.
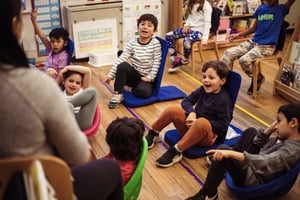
[(95, 35), (132, 10), (48, 18)]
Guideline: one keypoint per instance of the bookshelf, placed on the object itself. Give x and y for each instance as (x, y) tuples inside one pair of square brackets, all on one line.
[(289, 89)]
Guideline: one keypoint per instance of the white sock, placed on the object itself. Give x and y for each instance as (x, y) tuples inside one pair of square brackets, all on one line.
[(177, 148)]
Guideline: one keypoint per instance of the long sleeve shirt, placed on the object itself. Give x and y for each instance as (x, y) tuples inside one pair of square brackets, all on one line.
[(216, 108), (275, 158), (145, 58)]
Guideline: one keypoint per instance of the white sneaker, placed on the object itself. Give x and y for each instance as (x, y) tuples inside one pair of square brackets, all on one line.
[(115, 100)]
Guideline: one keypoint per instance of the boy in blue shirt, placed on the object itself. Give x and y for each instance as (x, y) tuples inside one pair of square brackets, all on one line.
[(266, 28)]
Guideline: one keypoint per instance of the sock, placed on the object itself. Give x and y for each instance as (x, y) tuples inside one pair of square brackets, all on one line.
[(177, 148)]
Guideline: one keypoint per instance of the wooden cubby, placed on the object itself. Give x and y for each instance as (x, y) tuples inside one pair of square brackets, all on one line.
[(280, 88)]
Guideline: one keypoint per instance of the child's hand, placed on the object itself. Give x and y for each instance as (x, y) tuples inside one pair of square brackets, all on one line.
[(218, 155), (190, 119), (51, 72), (271, 129), (145, 79), (108, 80), (186, 30), (33, 15)]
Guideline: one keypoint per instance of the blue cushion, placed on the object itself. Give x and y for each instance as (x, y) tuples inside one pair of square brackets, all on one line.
[(159, 93), (276, 187), (173, 136)]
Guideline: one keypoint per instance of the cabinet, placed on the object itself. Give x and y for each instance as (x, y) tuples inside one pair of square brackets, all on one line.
[(290, 69)]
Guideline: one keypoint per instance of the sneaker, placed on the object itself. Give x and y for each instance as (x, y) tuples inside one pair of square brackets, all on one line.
[(176, 63), (260, 80), (201, 196), (169, 158), (115, 100), (152, 138)]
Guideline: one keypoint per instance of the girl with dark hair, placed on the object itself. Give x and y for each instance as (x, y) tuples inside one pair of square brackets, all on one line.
[(31, 109)]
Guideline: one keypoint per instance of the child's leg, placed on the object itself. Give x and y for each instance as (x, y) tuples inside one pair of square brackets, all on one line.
[(87, 99), (188, 40), (143, 90), (171, 37), (173, 114), (245, 142), (199, 133), (125, 73), (233, 53)]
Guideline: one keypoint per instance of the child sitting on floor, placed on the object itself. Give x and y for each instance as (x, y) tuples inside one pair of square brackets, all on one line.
[(125, 140), (82, 99), (57, 55), (202, 119)]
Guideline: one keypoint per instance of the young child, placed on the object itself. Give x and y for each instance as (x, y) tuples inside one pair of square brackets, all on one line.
[(125, 139), (203, 117), (144, 54), (266, 28), (82, 99), (259, 156), (196, 28), (57, 55)]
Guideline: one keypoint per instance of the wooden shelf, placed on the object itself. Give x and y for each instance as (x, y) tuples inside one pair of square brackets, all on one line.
[(279, 88)]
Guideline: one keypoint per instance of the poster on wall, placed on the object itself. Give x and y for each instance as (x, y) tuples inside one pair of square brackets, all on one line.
[(95, 36), (132, 9), (48, 18)]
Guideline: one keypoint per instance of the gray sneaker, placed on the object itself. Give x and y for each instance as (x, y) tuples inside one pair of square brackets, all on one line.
[(115, 100)]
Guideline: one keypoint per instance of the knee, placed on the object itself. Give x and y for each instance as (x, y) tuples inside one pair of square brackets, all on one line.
[(142, 93), (123, 66)]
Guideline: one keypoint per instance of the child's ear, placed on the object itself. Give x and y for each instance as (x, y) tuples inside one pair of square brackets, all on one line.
[(294, 123), (66, 43), (223, 81)]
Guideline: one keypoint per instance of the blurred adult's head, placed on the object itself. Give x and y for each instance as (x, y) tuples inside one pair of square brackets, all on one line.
[(11, 25)]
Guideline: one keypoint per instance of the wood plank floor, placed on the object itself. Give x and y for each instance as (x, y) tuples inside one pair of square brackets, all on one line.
[(185, 178)]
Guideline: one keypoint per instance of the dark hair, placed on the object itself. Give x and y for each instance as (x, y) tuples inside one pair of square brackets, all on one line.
[(125, 138), (59, 33), (67, 74), (191, 4), (219, 66), (10, 50), (148, 17), (291, 111)]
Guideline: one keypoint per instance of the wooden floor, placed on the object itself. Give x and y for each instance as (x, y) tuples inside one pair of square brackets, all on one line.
[(185, 178)]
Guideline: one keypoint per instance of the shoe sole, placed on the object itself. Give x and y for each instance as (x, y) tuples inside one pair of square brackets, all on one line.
[(176, 160), (113, 105), (171, 70), (156, 139)]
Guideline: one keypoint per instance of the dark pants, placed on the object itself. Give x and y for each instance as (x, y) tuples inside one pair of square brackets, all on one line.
[(98, 179), (127, 75), (218, 169)]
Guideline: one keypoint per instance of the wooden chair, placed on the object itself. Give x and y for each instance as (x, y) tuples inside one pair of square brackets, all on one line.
[(56, 170)]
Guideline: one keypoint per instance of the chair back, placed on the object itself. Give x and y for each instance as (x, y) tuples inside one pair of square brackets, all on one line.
[(56, 170), (133, 186), (70, 49), (276, 187), (159, 76)]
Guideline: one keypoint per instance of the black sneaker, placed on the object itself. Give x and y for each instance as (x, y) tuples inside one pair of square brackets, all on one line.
[(201, 196), (152, 138), (260, 80), (169, 158)]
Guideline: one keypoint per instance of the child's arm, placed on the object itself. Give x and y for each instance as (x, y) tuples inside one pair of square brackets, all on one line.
[(38, 29), (218, 154), (81, 69)]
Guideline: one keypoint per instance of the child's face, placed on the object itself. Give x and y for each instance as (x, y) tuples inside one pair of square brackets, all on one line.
[(72, 84), (146, 30), (283, 127), (57, 45), (272, 2), (211, 81)]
